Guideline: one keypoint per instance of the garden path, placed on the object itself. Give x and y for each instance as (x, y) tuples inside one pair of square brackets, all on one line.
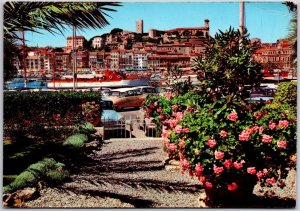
[(124, 173)]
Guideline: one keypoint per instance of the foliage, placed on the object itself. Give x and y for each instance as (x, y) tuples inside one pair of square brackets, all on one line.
[(87, 128), (54, 16), (75, 141), (42, 170), (11, 51), (34, 112), (90, 110), (286, 94), (227, 65)]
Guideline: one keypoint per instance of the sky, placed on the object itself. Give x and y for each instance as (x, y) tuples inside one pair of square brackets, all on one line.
[(265, 20)]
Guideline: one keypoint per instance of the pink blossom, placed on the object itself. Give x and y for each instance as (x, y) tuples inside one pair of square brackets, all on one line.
[(266, 138), (185, 163), (169, 95), (93, 102), (219, 155), (227, 163), (178, 116), (223, 133), (159, 110), (178, 129), (211, 143), (237, 165), (181, 143), (172, 122), (26, 122), (281, 144), (251, 170), (283, 124), (201, 179), (261, 129), (257, 115), (265, 171), (232, 186), (155, 103), (87, 103), (174, 107), (161, 117), (172, 147), (272, 125), (198, 170), (165, 133), (208, 185), (186, 130), (244, 136), (233, 116), (189, 108), (151, 105), (259, 174), (218, 170), (271, 180), (254, 129)]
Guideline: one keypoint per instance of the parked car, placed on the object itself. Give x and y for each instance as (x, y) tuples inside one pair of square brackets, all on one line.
[(126, 97), (147, 89), (110, 118)]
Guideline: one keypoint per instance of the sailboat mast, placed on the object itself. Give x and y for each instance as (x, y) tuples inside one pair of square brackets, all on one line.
[(242, 17)]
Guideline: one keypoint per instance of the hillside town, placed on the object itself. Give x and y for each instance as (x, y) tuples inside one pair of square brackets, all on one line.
[(152, 51)]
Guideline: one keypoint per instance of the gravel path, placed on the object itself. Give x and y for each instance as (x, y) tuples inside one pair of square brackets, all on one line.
[(131, 173)]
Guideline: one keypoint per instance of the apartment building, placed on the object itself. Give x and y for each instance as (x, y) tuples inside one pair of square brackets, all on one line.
[(78, 42)]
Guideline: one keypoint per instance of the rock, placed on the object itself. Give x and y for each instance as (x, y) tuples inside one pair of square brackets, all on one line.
[(202, 198), (91, 145), (174, 162), (18, 198), (172, 168)]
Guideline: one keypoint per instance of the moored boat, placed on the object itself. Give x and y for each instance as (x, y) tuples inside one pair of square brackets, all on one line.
[(106, 79)]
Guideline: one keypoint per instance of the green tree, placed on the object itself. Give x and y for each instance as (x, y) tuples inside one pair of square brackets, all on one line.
[(227, 66), (10, 52)]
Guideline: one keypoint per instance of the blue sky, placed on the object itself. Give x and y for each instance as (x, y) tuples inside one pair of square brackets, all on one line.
[(265, 20)]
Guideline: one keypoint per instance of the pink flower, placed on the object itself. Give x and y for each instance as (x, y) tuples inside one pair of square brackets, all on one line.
[(271, 180), (272, 125), (257, 115), (265, 171), (281, 144), (219, 155), (169, 95), (186, 130), (172, 147), (208, 185), (233, 116), (232, 186), (198, 170), (93, 102), (283, 124), (227, 163), (244, 136), (181, 143), (155, 103), (223, 133), (189, 108), (218, 170), (259, 174), (237, 165), (185, 163), (251, 170), (159, 110), (174, 107), (266, 138), (178, 129), (178, 116), (87, 103), (261, 129), (165, 133), (26, 122), (211, 143), (151, 105), (161, 117)]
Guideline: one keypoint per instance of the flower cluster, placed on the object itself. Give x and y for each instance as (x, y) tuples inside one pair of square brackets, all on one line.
[(90, 110), (221, 144)]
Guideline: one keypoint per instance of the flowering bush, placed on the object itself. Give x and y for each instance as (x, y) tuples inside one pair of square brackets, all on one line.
[(90, 111)]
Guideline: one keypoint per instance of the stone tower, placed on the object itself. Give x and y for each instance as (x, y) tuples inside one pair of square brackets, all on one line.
[(139, 26)]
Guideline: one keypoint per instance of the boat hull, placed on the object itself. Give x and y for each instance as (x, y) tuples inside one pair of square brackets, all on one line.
[(96, 84)]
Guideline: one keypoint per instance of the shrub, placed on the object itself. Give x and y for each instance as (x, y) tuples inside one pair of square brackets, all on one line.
[(286, 94), (75, 141), (42, 170), (87, 129)]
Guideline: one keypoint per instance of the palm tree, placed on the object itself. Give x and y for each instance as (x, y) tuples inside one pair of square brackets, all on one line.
[(54, 16), (292, 35)]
